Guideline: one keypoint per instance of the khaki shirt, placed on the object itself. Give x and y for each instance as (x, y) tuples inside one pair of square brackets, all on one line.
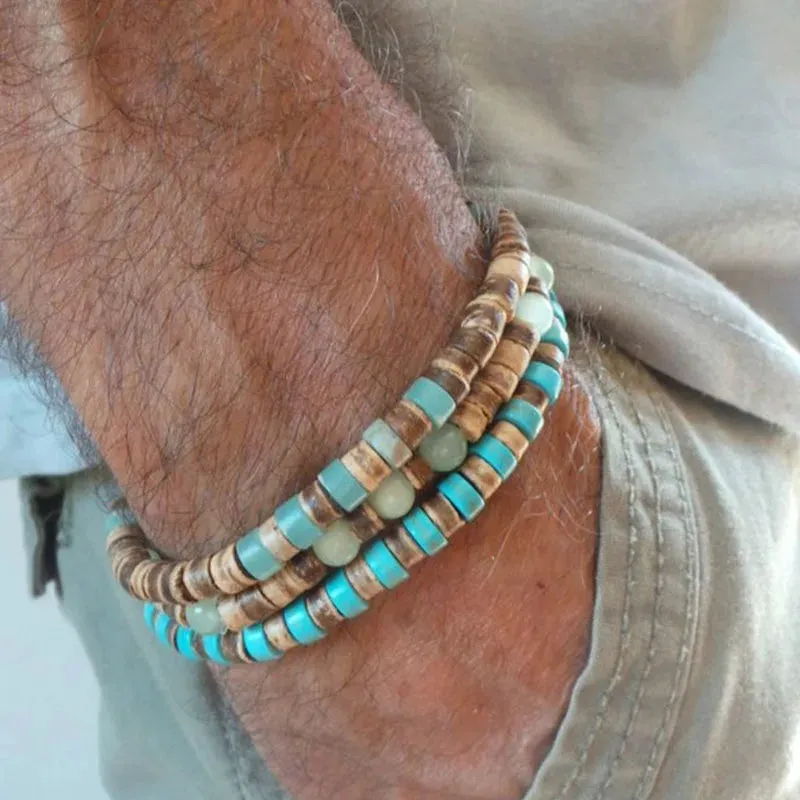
[(652, 147)]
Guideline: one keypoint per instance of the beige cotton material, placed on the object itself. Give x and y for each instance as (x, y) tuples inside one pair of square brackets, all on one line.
[(652, 147)]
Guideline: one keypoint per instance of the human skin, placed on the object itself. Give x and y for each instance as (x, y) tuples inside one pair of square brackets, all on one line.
[(235, 247)]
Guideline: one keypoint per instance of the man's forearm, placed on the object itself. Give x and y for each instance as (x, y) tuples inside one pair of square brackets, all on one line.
[(235, 247), (242, 231)]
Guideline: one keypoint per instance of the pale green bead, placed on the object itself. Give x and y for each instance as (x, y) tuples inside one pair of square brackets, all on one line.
[(204, 617), (338, 545), (536, 311), (394, 498), (541, 269), (444, 450)]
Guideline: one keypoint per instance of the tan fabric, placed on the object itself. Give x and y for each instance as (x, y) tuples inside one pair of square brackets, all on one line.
[(653, 148)]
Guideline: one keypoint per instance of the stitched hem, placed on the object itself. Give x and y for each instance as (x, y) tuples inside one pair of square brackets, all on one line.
[(624, 707)]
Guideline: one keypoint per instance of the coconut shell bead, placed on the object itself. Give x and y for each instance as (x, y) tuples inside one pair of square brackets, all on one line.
[(409, 422), (481, 475), (514, 266)]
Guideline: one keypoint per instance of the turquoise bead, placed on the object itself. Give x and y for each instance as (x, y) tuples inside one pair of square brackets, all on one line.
[(296, 525), (387, 444), (434, 401), (463, 495), (545, 377), (496, 455), (384, 564), (162, 628), (300, 624), (120, 518), (212, 646), (522, 415), (183, 644), (347, 600), (557, 335), (340, 484), (424, 531), (257, 645), (255, 557)]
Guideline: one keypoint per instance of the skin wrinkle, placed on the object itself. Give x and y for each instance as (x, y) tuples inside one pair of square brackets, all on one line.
[(212, 246)]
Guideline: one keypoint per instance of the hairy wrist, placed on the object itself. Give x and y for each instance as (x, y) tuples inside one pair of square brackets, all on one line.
[(254, 276), (452, 686)]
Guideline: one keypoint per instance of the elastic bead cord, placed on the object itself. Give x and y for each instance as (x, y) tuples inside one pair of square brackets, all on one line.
[(347, 482)]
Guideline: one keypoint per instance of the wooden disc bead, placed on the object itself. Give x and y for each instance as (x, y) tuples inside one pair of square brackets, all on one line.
[(418, 472), (298, 576), (476, 343), (513, 265), (362, 579), (534, 395), (409, 422), (453, 383), (176, 612), (481, 476), (403, 546), (227, 572), (550, 354), (457, 362), (273, 538), (512, 355), (501, 291), (471, 420), (365, 522), (501, 380), (278, 634), (486, 315), (521, 334), (316, 502), (443, 514), (366, 466), (231, 646), (511, 436), (246, 608), (322, 610), (197, 578)]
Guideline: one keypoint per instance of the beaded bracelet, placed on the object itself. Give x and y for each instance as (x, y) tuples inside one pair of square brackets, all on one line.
[(271, 571), (440, 452)]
